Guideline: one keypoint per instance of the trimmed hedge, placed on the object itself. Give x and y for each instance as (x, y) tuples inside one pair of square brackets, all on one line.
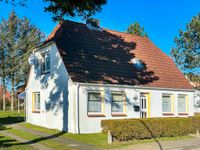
[(130, 129)]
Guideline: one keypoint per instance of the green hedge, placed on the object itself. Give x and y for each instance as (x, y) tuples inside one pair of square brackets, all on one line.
[(130, 129)]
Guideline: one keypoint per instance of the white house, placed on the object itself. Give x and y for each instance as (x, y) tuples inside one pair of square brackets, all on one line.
[(82, 75)]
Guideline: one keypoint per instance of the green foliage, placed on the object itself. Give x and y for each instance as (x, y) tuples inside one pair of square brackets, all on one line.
[(195, 79), (136, 29), (131, 129), (15, 2), (186, 53), (73, 8), (18, 37), (67, 8)]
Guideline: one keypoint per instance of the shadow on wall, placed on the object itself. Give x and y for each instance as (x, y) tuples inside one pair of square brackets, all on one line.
[(56, 83)]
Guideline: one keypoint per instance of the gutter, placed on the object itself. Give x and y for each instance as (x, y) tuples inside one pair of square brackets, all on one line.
[(42, 46), (77, 109), (134, 87)]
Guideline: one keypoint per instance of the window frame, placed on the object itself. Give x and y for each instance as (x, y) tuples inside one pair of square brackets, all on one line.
[(96, 114), (171, 112), (186, 104), (35, 110), (44, 57), (123, 113)]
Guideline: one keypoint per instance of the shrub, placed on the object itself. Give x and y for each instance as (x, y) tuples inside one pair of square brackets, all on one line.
[(130, 129)]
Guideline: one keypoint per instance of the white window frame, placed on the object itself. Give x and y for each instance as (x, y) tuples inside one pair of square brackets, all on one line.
[(123, 102), (101, 103), (186, 103), (34, 102), (45, 56), (171, 103)]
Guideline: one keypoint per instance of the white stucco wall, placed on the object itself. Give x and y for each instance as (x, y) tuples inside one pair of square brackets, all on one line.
[(55, 91), (92, 124), (59, 97)]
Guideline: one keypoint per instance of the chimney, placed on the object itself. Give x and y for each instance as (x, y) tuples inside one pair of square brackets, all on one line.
[(93, 24)]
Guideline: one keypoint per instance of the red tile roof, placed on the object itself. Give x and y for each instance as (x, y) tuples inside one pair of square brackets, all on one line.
[(105, 57)]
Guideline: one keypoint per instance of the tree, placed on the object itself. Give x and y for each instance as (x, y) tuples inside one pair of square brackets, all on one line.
[(15, 2), (186, 52), (136, 29), (72, 8), (19, 37), (3, 73)]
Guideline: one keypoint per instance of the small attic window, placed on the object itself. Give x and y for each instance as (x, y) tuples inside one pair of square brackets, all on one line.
[(138, 63)]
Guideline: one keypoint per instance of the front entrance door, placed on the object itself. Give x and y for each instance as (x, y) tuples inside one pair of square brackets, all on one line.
[(144, 104)]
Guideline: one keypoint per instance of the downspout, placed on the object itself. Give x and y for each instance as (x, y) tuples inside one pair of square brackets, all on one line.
[(77, 110)]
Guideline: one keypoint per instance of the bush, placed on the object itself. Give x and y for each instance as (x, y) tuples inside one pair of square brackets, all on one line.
[(130, 129)]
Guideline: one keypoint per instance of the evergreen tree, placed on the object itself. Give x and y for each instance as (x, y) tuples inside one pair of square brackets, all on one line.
[(186, 53), (19, 37), (136, 29)]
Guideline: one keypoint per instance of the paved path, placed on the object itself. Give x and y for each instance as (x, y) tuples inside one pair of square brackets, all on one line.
[(69, 142), (186, 144)]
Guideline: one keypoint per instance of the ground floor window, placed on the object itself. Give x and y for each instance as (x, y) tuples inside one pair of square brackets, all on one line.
[(94, 102), (118, 102), (182, 103), (167, 103), (35, 101)]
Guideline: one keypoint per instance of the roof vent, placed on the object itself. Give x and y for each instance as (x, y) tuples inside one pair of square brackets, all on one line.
[(93, 24), (138, 64)]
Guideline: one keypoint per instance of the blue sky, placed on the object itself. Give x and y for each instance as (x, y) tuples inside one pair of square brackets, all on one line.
[(162, 19)]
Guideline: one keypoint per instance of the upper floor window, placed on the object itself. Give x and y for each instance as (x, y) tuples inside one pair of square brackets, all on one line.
[(182, 103), (118, 103), (167, 103), (35, 102), (46, 62), (138, 64), (94, 102)]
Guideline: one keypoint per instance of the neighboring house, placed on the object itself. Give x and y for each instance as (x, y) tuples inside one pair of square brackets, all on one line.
[(82, 74), (8, 95)]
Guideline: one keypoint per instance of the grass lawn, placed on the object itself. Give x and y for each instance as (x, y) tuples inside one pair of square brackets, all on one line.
[(8, 117), (7, 143), (39, 139), (98, 139)]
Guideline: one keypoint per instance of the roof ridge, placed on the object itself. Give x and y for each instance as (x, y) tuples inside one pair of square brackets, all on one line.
[(104, 28)]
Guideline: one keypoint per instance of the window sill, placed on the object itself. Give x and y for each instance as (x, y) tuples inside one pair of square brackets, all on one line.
[(96, 115), (168, 114), (183, 114), (36, 111), (47, 72), (119, 115)]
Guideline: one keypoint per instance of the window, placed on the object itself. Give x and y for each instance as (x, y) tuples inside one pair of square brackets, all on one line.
[(118, 102), (36, 102), (182, 103), (138, 64), (94, 102), (46, 62), (167, 103)]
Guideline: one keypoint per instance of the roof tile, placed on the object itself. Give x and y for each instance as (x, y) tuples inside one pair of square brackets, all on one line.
[(104, 57)]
